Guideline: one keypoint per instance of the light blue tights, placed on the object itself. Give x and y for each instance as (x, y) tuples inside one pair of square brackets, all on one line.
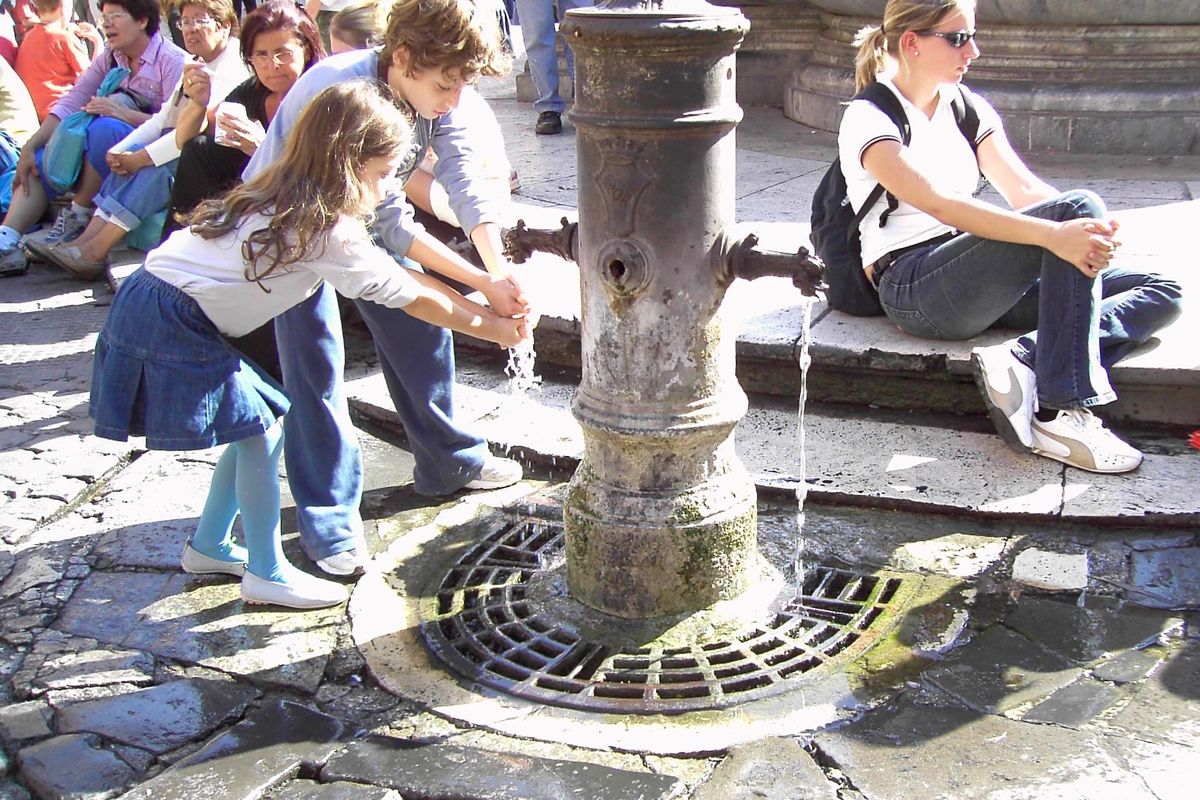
[(246, 480)]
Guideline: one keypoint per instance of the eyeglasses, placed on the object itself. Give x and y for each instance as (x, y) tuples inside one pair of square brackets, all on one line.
[(280, 57), (956, 39), (109, 19), (198, 22)]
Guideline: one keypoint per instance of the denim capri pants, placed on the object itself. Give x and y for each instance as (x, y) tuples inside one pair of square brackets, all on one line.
[(129, 200), (162, 370)]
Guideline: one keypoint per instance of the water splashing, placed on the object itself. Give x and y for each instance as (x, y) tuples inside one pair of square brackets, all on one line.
[(520, 370)]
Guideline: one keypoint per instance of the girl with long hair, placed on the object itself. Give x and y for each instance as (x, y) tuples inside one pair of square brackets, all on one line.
[(164, 369)]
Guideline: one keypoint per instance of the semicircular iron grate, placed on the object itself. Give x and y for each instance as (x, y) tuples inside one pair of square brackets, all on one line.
[(486, 629)]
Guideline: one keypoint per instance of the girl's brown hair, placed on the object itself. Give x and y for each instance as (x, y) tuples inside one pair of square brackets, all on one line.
[(461, 37), (874, 42), (315, 181)]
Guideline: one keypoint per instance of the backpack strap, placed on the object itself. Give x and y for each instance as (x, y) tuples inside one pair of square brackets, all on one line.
[(886, 101), (966, 116)]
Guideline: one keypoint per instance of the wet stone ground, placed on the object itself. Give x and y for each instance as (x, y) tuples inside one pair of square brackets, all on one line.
[(121, 674)]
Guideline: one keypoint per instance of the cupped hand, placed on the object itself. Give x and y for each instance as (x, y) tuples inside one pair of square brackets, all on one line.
[(506, 296), (104, 107), (511, 331)]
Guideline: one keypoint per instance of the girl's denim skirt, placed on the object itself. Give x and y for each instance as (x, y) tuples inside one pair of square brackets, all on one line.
[(162, 370)]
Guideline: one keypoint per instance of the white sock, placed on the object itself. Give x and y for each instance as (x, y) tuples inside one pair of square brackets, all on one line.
[(82, 212), (8, 236)]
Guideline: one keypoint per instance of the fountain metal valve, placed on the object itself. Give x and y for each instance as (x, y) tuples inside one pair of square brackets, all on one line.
[(745, 259), (521, 242)]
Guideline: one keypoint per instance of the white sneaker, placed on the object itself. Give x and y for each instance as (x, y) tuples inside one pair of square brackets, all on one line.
[(1077, 437), (496, 474), (1009, 391), (347, 562), (302, 591), (13, 260)]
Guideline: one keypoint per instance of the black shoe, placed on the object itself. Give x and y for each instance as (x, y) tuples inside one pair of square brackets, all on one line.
[(548, 123)]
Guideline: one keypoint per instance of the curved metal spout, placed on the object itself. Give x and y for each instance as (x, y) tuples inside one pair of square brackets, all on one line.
[(746, 260), (522, 242)]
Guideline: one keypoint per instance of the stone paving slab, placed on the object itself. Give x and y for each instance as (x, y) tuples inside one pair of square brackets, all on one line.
[(262, 752), (882, 461), (450, 771), (939, 752), (161, 718), (772, 769), (203, 621), (1166, 708), (74, 767), (1001, 670), (1099, 627)]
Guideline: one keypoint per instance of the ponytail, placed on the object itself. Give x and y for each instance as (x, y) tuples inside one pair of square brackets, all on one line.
[(869, 62)]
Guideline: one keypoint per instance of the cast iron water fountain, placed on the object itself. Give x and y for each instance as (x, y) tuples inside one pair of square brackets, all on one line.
[(652, 596)]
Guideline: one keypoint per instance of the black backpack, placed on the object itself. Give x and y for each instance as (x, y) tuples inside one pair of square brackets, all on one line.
[(835, 235)]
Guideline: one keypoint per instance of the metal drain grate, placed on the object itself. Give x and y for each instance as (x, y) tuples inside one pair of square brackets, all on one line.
[(484, 627)]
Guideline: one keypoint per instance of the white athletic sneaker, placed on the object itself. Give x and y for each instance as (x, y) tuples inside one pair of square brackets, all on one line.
[(347, 562), (496, 474), (1008, 389), (1077, 437)]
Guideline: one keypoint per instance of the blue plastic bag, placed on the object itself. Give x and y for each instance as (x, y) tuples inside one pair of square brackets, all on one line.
[(10, 151), (63, 157)]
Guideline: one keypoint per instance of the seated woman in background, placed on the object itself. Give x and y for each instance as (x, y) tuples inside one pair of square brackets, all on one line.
[(279, 42), (155, 65), (143, 163)]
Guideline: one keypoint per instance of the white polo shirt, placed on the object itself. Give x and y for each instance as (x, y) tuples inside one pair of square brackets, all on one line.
[(938, 149)]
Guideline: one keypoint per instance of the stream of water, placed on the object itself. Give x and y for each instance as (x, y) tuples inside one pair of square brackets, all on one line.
[(804, 360)]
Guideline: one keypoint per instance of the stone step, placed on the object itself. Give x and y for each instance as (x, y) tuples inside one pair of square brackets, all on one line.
[(952, 464), (870, 363)]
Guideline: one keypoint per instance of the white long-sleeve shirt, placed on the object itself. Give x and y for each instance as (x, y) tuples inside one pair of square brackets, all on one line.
[(212, 272), (157, 134)]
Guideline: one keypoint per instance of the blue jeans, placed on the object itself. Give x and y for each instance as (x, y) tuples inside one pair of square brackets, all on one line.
[(324, 461), (130, 199), (537, 29), (962, 287)]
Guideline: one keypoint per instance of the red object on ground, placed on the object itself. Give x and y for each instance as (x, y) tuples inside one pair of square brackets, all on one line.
[(1194, 439)]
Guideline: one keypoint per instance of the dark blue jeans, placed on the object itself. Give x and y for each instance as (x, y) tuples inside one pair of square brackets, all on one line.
[(321, 450), (962, 287)]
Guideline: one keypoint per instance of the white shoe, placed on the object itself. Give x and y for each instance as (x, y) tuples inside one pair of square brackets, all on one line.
[(196, 563), (496, 473), (1009, 391), (1077, 437), (301, 591), (347, 562)]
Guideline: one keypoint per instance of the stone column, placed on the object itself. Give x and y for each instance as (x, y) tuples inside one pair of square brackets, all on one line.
[(1087, 76)]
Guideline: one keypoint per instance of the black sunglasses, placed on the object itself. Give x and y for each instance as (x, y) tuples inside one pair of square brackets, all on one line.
[(957, 39)]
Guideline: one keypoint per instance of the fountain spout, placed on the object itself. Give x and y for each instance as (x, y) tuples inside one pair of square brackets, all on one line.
[(745, 259), (521, 242)]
